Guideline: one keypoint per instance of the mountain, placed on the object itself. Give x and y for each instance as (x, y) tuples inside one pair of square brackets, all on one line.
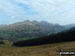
[(28, 29), (69, 26), (3, 26), (66, 36)]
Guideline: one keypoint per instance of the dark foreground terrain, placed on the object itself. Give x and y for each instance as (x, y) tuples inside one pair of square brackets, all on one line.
[(42, 50)]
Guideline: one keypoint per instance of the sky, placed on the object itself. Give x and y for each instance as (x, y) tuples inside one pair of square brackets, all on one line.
[(54, 11)]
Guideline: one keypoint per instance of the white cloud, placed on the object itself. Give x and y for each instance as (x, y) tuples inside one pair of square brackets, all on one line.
[(49, 10)]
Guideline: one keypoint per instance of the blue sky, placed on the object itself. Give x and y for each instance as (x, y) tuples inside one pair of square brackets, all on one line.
[(54, 11)]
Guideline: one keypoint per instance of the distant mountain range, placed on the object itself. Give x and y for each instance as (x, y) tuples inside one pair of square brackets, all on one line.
[(28, 29), (69, 26)]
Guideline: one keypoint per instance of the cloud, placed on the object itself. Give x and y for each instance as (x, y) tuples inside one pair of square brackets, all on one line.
[(49, 10)]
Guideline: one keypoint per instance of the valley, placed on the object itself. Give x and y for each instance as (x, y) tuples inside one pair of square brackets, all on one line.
[(32, 38)]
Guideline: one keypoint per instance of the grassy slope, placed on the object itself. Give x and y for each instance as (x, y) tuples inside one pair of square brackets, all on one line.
[(43, 50)]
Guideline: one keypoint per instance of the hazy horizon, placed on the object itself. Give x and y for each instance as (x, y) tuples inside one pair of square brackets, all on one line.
[(54, 11), (35, 20)]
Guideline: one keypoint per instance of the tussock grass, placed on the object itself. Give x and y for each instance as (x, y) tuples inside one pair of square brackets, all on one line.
[(42, 50)]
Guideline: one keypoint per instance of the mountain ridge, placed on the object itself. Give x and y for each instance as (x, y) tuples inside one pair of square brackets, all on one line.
[(29, 29)]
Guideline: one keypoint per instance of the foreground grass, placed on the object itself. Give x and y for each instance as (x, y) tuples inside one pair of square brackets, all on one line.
[(43, 50)]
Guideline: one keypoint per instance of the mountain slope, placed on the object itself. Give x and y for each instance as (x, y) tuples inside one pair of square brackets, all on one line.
[(29, 29), (69, 26), (42, 50), (60, 37)]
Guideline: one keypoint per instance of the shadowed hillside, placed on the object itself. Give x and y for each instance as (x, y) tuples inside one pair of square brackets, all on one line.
[(60, 37), (1, 41)]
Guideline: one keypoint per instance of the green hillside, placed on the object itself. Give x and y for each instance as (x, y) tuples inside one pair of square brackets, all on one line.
[(28, 30), (45, 46), (65, 36)]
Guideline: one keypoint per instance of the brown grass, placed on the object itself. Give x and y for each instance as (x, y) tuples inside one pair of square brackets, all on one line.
[(43, 50)]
